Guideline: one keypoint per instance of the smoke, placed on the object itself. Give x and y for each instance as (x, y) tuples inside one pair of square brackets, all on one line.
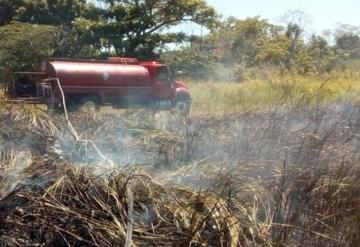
[(247, 147), (278, 159), (164, 142)]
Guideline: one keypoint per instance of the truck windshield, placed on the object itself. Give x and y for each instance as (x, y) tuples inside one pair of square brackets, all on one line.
[(164, 74)]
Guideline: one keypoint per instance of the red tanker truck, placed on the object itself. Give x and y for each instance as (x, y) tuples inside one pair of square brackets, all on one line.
[(89, 84)]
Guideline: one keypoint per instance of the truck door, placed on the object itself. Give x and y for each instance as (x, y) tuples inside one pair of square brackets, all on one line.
[(163, 87)]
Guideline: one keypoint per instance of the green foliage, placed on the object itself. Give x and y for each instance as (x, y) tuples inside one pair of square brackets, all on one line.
[(8, 10), (233, 49), (240, 47), (75, 22), (135, 26), (50, 12), (348, 42), (191, 63), (252, 41), (22, 45), (130, 28)]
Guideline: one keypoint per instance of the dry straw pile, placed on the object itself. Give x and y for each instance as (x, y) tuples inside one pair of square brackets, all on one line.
[(64, 206)]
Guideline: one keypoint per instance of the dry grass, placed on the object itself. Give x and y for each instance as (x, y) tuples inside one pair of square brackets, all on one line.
[(270, 89), (94, 211), (284, 175)]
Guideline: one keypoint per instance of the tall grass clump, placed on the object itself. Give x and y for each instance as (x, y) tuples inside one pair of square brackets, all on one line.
[(272, 89)]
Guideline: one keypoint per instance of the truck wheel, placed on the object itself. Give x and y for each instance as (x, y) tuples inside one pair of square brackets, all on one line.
[(182, 107), (89, 105)]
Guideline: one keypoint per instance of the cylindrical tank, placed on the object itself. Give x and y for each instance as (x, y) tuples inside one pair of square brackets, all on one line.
[(96, 73)]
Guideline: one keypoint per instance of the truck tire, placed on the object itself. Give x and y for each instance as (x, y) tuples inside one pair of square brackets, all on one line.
[(182, 106), (89, 104)]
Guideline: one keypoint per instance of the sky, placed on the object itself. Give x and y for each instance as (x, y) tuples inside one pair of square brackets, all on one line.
[(325, 14)]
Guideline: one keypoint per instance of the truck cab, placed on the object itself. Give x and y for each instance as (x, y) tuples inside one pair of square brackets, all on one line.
[(165, 90)]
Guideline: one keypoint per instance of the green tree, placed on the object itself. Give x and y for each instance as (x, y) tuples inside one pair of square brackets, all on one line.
[(348, 41), (75, 21), (8, 10), (131, 27), (322, 55), (22, 45), (251, 42), (192, 62), (296, 22), (230, 48), (49, 12), (135, 27)]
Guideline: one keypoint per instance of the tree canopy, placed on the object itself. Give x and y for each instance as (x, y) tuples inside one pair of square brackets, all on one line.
[(134, 27), (33, 29), (235, 46), (21, 44), (131, 27)]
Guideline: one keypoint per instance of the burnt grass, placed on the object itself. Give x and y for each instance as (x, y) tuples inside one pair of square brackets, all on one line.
[(280, 177)]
